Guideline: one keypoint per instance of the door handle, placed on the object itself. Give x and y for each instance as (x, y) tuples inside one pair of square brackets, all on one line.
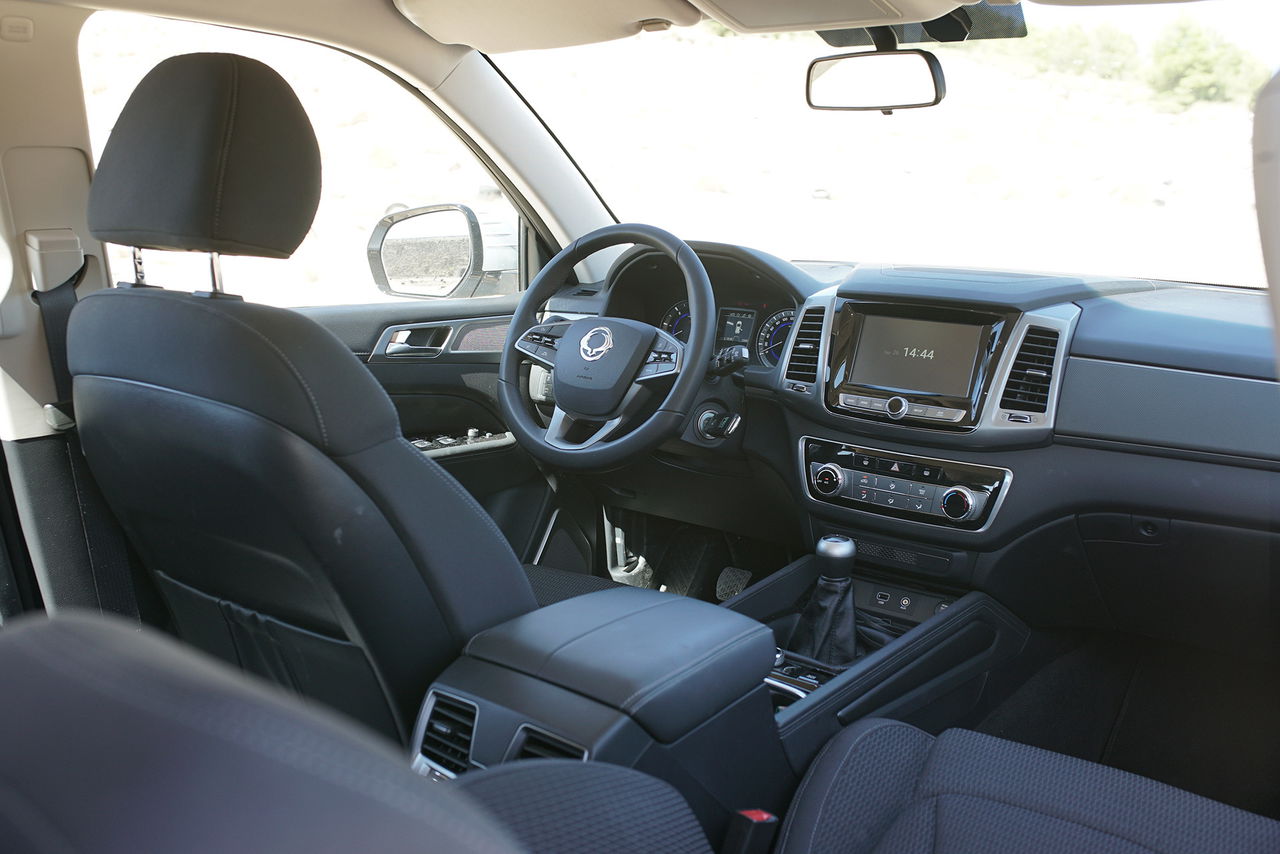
[(420, 343)]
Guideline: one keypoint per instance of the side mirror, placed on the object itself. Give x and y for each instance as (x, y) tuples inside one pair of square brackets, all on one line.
[(429, 252), (884, 80)]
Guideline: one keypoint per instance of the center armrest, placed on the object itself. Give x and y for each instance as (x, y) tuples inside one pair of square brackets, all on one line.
[(668, 662)]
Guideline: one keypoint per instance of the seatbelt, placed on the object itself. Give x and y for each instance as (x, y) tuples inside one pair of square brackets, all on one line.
[(55, 313), (105, 546)]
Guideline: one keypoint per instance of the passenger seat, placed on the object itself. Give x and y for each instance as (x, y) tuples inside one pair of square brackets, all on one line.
[(115, 740)]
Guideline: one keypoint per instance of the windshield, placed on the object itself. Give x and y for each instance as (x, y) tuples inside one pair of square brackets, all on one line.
[(1112, 141)]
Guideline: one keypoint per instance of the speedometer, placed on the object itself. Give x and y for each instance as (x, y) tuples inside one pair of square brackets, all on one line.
[(676, 321), (772, 337)]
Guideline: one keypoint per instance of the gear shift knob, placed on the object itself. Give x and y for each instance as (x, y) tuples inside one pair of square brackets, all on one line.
[(835, 554)]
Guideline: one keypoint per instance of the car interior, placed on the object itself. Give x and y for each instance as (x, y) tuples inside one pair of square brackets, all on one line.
[(571, 533)]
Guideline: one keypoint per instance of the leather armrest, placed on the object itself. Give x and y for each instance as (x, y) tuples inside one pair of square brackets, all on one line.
[(667, 661)]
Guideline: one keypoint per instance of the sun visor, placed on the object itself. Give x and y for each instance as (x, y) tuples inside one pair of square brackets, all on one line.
[(769, 16), (497, 26)]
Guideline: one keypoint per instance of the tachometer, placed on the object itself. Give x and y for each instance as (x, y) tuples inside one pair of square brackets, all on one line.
[(676, 321), (772, 337)]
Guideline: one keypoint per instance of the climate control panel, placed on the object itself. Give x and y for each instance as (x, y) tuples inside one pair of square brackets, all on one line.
[(941, 492)]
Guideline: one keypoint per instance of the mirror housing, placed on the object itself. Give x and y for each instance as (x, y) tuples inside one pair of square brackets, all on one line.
[(884, 80), (429, 252)]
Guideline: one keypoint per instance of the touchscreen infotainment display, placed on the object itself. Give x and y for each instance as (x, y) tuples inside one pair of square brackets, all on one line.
[(916, 355)]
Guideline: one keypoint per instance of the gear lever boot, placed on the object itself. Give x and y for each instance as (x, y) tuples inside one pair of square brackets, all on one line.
[(828, 631)]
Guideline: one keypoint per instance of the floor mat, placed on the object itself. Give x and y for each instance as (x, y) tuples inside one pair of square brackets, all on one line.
[(1204, 722)]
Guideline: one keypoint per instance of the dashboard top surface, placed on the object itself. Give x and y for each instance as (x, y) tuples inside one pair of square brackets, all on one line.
[(1211, 330), (1002, 288)]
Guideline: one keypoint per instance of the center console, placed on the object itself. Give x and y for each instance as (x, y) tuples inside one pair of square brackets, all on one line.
[(709, 698), (942, 492)]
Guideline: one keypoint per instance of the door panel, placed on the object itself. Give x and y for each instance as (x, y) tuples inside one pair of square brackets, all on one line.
[(443, 382)]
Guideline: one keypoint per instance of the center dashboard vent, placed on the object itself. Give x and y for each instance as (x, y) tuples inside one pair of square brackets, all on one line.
[(1028, 387), (802, 366), (446, 741), (542, 745)]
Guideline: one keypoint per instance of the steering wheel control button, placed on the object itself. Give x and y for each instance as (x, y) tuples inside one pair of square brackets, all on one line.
[(828, 479), (896, 407), (958, 503)]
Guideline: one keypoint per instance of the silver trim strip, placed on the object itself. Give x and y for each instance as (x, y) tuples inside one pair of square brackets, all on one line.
[(798, 693), (420, 763), (546, 535)]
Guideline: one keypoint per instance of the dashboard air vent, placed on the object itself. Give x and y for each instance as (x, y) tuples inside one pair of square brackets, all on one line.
[(541, 745), (450, 728), (803, 365), (1028, 387)]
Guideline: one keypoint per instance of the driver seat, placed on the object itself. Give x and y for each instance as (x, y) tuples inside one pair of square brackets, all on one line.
[(255, 464)]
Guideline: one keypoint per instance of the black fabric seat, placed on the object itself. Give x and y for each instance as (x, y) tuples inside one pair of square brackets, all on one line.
[(255, 464), (113, 740), (886, 787)]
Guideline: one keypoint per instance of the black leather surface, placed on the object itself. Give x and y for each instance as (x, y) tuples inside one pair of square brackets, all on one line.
[(211, 153), (667, 661), (115, 741)]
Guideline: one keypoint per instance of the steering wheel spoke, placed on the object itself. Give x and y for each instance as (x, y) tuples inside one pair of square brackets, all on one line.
[(604, 413), (563, 425), (664, 360), (540, 343)]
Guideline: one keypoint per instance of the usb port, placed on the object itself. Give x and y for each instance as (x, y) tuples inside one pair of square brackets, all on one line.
[(882, 597)]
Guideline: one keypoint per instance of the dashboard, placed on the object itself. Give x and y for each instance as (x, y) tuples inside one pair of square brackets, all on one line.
[(1089, 451), (755, 308)]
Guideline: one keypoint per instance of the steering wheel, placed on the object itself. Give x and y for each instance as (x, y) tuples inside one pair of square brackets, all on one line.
[(605, 366)]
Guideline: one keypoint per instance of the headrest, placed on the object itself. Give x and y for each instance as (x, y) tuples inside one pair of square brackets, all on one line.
[(212, 153)]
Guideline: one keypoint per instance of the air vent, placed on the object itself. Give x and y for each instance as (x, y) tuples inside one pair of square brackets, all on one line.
[(803, 364), (447, 739), (1028, 387), (541, 745)]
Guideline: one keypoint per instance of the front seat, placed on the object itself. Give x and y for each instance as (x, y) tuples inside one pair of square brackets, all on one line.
[(255, 464), (117, 741)]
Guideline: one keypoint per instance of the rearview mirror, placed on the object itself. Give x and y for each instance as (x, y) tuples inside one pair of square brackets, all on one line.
[(884, 80), (429, 252)]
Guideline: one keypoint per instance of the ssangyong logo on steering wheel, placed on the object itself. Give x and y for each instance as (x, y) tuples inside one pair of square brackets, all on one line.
[(596, 343)]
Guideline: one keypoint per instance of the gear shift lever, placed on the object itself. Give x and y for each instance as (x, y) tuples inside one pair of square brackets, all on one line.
[(836, 554), (828, 631)]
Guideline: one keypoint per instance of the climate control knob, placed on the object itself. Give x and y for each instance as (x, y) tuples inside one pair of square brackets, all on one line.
[(958, 503), (828, 479)]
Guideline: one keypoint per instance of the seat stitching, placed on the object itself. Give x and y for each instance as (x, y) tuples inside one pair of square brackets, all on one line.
[(315, 406), (1034, 811), (43, 823), (576, 637), (225, 149), (466, 497), (642, 694)]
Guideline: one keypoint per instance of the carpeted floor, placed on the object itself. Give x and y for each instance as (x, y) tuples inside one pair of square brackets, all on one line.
[(1204, 722)]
